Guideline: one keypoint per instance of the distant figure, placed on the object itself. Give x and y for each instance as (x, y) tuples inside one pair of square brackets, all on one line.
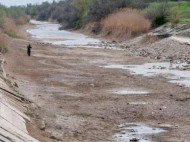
[(29, 49)]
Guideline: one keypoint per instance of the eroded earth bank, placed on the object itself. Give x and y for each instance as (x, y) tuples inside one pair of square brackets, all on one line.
[(96, 92)]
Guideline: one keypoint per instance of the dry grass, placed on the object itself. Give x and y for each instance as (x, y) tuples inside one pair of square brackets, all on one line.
[(23, 20), (128, 21), (9, 25), (11, 28)]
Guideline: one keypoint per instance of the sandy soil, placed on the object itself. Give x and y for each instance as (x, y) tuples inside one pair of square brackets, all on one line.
[(72, 92)]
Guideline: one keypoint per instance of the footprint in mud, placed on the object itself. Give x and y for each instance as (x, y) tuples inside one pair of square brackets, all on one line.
[(136, 132)]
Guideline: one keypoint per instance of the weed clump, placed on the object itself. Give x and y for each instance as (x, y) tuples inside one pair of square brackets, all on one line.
[(129, 21)]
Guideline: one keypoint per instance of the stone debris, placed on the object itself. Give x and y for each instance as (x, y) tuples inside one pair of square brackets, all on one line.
[(134, 140), (56, 136), (42, 125)]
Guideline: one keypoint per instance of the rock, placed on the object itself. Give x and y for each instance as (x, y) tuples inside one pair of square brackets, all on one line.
[(180, 85), (42, 125), (188, 62), (92, 85), (185, 66), (34, 106), (55, 136), (134, 140), (162, 68), (15, 84), (158, 58)]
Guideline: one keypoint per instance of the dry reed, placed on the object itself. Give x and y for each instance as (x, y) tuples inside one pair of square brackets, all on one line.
[(129, 21)]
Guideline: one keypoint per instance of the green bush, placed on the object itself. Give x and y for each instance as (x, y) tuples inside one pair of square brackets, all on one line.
[(159, 20), (82, 7), (158, 13), (180, 11)]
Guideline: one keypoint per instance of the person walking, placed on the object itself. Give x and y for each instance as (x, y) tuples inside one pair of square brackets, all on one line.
[(29, 49)]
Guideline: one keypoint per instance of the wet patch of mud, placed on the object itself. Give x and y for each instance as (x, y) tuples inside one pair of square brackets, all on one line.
[(137, 132), (175, 72)]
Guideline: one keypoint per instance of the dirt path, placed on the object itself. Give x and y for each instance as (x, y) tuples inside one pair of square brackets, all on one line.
[(75, 94)]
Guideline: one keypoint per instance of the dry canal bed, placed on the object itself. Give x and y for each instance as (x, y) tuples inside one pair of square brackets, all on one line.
[(83, 97)]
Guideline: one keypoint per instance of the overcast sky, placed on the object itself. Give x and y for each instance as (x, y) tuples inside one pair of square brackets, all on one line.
[(22, 2)]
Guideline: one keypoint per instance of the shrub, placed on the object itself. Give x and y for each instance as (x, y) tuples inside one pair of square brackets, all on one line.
[(23, 20), (126, 20), (101, 8), (82, 7), (159, 20), (66, 14), (157, 13), (9, 25)]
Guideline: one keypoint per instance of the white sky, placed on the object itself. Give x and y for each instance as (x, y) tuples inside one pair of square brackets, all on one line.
[(22, 2)]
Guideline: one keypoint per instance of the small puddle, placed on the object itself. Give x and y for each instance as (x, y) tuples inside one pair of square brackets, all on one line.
[(175, 72), (131, 92), (140, 133), (138, 103)]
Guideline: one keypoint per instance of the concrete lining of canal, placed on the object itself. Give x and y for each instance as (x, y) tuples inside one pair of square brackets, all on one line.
[(12, 117)]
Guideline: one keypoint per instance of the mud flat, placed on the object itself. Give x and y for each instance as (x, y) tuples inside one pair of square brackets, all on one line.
[(81, 100)]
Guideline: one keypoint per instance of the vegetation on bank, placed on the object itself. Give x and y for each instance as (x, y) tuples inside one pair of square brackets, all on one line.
[(129, 17), (10, 18), (94, 13), (180, 11), (126, 22), (174, 12), (13, 35)]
